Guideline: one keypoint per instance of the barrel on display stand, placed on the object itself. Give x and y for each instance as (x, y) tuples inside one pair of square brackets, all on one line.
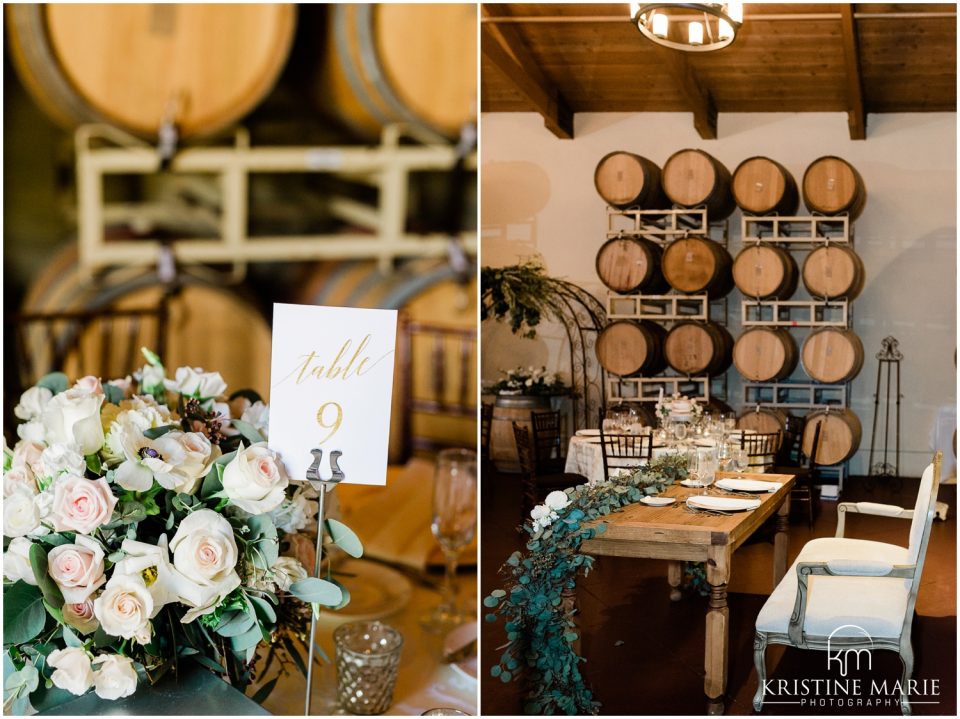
[(695, 265), (832, 355), (507, 410), (694, 178), (763, 419), (765, 354), (840, 433), (766, 272), (400, 62), (833, 271), (698, 348), (135, 65), (624, 179), (832, 186), (631, 264), (762, 186), (627, 348)]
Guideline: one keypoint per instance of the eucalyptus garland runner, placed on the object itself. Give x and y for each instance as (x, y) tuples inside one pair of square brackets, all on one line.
[(539, 620)]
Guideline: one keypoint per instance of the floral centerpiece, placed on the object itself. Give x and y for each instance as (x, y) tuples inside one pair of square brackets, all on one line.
[(530, 381), (146, 522)]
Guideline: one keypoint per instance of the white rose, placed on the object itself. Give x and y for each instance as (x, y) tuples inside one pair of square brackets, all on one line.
[(77, 568), (59, 458), (144, 635), (258, 414), (557, 500), (194, 382), (32, 431), (255, 479), (296, 513), (124, 607), (27, 454), (539, 513), (115, 677), (80, 616), (32, 403), (89, 385), (16, 561), (19, 479), (20, 515), (73, 671), (205, 557), (152, 378), (286, 571), (74, 417)]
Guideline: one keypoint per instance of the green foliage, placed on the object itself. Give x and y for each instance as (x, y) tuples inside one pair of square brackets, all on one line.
[(49, 589), (522, 292), (112, 393), (345, 538), (317, 591), (535, 601), (249, 432), (56, 382), (24, 615)]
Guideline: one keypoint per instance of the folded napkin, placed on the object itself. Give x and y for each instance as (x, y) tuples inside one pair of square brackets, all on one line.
[(393, 522)]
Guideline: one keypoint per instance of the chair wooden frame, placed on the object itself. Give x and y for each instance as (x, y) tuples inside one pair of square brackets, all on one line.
[(761, 449), (547, 442), (795, 635), (631, 447)]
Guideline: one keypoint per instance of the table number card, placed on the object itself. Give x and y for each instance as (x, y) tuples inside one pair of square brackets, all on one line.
[(331, 386)]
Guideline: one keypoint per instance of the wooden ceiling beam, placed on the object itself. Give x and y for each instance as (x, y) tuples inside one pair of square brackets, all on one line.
[(697, 97), (856, 117), (504, 46)]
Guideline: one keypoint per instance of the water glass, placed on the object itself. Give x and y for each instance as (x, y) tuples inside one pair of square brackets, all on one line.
[(367, 657), (707, 465), (740, 460)]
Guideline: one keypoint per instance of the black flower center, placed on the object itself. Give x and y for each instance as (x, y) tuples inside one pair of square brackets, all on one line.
[(150, 452)]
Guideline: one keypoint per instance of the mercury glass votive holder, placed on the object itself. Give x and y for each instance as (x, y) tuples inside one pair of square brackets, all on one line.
[(367, 658)]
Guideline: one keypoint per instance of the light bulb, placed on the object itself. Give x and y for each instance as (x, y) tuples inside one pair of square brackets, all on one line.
[(726, 30), (660, 25), (696, 33)]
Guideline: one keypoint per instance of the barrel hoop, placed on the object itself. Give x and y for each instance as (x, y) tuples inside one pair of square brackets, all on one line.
[(401, 296), (373, 68), (342, 34)]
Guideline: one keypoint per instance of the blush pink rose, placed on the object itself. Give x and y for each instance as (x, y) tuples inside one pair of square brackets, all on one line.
[(80, 616), (81, 505), (77, 569), (19, 479), (89, 384), (27, 454)]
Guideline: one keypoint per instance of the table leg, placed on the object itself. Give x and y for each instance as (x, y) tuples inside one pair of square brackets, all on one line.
[(780, 540), (718, 629), (674, 577)]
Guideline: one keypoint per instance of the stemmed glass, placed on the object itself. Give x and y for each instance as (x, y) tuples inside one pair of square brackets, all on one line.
[(679, 430), (740, 459), (708, 468), (453, 524)]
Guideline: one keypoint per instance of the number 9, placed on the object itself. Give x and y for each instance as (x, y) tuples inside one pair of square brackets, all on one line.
[(332, 426)]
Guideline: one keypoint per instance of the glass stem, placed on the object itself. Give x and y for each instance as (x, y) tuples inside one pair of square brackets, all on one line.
[(449, 581)]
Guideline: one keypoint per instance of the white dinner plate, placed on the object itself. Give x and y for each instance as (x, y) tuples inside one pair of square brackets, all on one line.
[(691, 483), (657, 501), (467, 668), (376, 591), (588, 432), (722, 504), (748, 485)]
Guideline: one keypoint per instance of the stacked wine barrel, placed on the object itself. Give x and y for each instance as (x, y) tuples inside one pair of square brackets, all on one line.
[(644, 264), (829, 355)]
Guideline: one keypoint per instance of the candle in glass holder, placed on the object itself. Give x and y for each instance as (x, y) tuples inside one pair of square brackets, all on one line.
[(367, 657)]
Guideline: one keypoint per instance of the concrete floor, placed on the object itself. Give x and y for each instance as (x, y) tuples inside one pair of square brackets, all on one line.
[(645, 654)]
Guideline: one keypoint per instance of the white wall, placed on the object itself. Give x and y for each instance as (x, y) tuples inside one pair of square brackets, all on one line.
[(538, 198)]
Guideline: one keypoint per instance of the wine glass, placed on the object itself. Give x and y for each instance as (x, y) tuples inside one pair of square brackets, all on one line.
[(679, 431), (740, 460), (453, 524), (730, 421), (707, 464)]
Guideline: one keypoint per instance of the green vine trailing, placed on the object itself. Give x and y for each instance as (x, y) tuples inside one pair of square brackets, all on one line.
[(522, 292), (534, 602)]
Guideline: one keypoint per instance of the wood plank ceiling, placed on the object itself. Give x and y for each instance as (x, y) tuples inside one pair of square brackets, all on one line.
[(559, 59)]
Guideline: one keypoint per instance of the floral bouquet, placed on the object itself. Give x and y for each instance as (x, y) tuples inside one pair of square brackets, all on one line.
[(143, 526), (530, 381)]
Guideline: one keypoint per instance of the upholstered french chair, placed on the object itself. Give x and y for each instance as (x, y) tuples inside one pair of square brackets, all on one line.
[(846, 593)]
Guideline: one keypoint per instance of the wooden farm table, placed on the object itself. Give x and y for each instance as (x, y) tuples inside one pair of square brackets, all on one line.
[(674, 534)]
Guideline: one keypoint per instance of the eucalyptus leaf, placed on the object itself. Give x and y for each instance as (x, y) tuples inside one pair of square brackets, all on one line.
[(344, 537), (246, 640), (23, 613), (38, 562), (56, 382), (249, 432), (157, 432), (235, 623), (264, 610), (113, 394), (319, 591), (94, 464)]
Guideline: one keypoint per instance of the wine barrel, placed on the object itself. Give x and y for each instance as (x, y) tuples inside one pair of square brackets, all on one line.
[(631, 264), (693, 265), (832, 355), (133, 65), (627, 348), (506, 410), (210, 325), (410, 63), (765, 354), (762, 186), (697, 348), (625, 180), (694, 178), (832, 186), (763, 419), (427, 290), (833, 271), (766, 272), (840, 433)]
